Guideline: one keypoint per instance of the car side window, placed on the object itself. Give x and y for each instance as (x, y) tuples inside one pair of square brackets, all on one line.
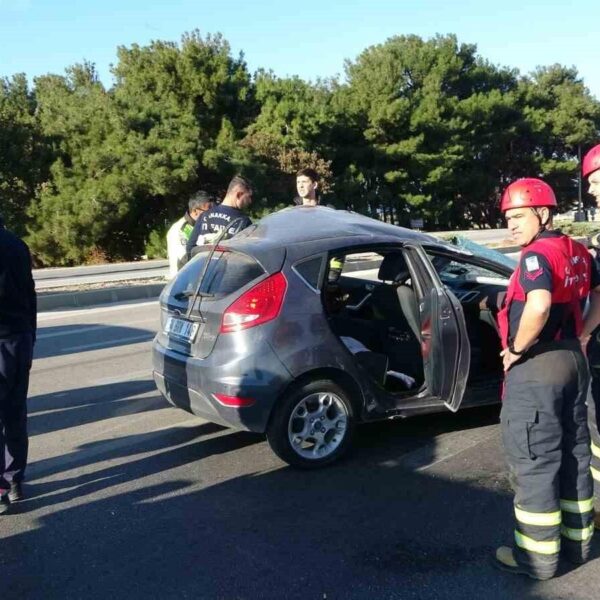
[(310, 270), (364, 265), (454, 271)]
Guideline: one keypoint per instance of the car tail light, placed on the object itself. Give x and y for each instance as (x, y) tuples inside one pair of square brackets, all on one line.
[(258, 305), (234, 401)]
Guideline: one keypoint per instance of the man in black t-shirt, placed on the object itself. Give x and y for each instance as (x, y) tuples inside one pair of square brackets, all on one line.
[(229, 215)]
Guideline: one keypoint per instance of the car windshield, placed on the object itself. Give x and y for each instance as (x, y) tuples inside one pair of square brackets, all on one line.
[(452, 271), (483, 251)]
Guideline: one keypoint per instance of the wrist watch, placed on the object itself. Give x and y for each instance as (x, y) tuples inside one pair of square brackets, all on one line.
[(511, 347)]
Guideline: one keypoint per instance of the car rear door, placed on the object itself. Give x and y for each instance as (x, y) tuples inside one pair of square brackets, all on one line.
[(444, 340)]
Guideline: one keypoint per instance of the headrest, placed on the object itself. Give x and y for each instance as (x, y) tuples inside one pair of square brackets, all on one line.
[(392, 267)]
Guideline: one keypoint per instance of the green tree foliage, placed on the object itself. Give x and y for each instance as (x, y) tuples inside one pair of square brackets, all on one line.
[(24, 157), (129, 158), (80, 207), (288, 134), (417, 129), (183, 108), (445, 130), (560, 115), (437, 119)]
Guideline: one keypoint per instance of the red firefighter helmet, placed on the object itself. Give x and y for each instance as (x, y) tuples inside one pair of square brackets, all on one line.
[(527, 192), (591, 161)]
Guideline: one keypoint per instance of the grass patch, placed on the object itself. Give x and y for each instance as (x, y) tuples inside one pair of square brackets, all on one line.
[(580, 229)]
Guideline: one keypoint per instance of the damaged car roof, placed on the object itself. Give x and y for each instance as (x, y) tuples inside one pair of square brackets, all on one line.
[(309, 223)]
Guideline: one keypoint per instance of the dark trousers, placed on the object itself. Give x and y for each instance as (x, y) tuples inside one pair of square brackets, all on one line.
[(593, 351), (15, 362), (547, 445), (594, 424)]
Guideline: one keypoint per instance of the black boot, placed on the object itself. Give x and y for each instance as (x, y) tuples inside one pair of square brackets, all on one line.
[(4, 504)]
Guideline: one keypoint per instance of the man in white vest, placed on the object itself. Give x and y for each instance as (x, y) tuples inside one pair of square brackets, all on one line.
[(179, 233)]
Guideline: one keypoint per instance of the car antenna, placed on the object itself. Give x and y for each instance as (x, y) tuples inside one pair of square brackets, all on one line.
[(198, 293)]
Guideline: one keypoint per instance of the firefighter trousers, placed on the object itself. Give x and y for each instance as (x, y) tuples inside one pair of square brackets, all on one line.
[(547, 446)]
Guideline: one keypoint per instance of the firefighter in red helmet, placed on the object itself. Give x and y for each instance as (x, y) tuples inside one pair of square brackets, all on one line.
[(591, 170), (590, 337), (543, 416)]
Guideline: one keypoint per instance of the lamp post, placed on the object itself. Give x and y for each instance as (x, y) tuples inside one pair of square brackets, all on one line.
[(579, 214)]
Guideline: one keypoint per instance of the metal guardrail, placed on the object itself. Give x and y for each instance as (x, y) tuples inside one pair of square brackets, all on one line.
[(47, 279), (61, 272)]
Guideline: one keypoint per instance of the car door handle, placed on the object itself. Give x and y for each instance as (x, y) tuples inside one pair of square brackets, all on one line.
[(360, 304)]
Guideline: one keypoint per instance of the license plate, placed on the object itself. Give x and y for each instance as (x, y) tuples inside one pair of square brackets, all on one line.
[(182, 328)]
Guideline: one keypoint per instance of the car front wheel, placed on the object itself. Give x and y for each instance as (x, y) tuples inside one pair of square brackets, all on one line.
[(313, 425)]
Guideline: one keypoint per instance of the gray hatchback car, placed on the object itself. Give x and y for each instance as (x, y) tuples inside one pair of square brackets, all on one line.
[(314, 320)]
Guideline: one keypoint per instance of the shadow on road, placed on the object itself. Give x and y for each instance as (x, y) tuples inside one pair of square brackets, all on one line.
[(74, 408), (146, 455), (61, 340), (174, 518)]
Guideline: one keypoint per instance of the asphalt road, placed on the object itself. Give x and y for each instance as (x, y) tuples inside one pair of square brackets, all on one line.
[(130, 498)]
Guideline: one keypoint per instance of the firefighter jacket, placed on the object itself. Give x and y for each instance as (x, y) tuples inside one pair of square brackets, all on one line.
[(571, 272)]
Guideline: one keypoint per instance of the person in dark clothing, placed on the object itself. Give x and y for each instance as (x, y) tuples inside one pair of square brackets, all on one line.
[(543, 418), (229, 215), (18, 310)]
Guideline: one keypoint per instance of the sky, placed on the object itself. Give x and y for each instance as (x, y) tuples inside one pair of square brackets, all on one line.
[(310, 39)]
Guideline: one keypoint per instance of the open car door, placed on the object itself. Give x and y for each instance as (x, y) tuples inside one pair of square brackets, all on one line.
[(444, 340)]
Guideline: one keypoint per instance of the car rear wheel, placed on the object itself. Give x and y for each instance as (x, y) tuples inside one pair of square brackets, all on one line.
[(313, 425)]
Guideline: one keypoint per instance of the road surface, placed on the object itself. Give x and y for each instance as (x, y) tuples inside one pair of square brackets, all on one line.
[(130, 498)]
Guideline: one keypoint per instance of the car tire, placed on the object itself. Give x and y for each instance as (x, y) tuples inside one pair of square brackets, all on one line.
[(312, 425)]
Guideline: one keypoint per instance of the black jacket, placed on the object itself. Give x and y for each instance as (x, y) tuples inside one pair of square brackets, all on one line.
[(18, 306)]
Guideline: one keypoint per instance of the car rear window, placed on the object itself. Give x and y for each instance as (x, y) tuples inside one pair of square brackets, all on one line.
[(227, 272)]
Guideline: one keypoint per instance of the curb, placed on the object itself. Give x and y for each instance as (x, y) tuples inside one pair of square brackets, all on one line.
[(49, 301)]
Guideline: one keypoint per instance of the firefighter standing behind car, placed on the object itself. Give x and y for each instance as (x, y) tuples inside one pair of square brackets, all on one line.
[(590, 336), (179, 233), (229, 215), (543, 417)]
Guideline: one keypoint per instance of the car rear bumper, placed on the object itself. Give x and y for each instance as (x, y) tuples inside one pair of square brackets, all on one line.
[(191, 384)]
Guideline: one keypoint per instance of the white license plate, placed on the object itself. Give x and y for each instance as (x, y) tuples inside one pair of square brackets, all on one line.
[(181, 328)]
